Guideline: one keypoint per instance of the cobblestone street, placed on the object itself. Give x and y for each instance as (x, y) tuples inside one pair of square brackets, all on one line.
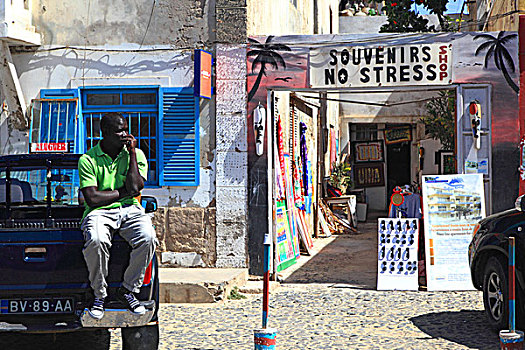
[(333, 317), (330, 301)]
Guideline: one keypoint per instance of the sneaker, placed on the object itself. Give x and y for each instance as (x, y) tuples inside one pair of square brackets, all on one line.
[(128, 298), (97, 309)]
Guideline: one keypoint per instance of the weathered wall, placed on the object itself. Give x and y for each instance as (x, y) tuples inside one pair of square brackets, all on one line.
[(507, 22), (232, 159), (187, 230), (182, 23), (281, 17)]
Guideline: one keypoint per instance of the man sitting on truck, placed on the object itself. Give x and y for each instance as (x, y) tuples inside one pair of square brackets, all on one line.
[(111, 175)]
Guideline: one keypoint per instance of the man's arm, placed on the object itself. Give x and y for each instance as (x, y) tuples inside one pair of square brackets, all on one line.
[(88, 183), (95, 198), (134, 182)]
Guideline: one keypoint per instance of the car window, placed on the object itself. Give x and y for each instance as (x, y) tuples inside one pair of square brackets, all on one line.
[(30, 187)]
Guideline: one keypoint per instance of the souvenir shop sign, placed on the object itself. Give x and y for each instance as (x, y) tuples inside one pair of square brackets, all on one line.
[(397, 254), (369, 175), (389, 65), (368, 151), (397, 135), (452, 204)]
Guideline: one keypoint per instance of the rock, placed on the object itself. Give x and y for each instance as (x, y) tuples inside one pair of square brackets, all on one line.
[(182, 259)]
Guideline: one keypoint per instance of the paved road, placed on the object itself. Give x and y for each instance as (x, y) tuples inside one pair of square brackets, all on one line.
[(333, 317), (329, 301)]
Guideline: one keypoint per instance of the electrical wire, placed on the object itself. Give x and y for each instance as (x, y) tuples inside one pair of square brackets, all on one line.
[(377, 104), (58, 48), (149, 21)]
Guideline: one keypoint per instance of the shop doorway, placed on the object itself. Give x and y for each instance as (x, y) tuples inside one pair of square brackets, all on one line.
[(398, 166)]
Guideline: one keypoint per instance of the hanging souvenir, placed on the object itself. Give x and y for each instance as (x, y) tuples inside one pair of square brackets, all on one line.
[(298, 189), (304, 156), (280, 144)]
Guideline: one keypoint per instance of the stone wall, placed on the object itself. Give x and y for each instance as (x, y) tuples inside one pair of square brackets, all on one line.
[(186, 230)]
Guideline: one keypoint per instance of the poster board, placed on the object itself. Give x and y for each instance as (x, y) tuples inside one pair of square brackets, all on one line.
[(452, 205), (285, 252), (397, 254)]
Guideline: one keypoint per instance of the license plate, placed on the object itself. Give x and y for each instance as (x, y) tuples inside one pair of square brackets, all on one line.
[(37, 306)]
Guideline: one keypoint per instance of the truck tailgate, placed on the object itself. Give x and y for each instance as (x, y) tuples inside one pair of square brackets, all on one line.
[(51, 259)]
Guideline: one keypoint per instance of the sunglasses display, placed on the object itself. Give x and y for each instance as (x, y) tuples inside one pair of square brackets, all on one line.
[(397, 254)]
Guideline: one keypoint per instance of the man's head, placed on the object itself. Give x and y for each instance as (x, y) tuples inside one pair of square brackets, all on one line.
[(114, 128)]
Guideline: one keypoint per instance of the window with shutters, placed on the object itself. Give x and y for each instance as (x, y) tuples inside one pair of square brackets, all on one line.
[(163, 120), (139, 107)]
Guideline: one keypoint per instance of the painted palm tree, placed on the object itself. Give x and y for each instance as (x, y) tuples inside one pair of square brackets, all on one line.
[(495, 46), (265, 55)]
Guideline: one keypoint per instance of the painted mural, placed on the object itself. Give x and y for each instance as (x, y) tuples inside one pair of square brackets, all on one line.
[(379, 60)]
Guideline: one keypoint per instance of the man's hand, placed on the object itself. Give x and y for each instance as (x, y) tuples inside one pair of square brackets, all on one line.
[(131, 142), (123, 193), (134, 182)]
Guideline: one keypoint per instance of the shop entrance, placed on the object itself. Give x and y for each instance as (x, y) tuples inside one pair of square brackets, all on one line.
[(398, 166)]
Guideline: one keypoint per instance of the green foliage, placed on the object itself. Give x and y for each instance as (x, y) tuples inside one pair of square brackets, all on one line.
[(341, 176), (235, 294), (439, 122), (402, 19)]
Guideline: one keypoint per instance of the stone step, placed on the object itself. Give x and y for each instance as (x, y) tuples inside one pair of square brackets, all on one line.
[(199, 285), (256, 287)]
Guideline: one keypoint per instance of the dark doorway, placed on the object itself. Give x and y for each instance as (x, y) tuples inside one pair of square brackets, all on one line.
[(398, 166)]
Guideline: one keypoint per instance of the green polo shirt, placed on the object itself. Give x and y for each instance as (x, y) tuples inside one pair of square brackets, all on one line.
[(96, 168)]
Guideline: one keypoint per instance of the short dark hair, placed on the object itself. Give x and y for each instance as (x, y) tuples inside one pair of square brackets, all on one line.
[(110, 120)]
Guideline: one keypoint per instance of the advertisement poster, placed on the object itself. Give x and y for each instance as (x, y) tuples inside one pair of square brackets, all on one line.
[(285, 252), (452, 205), (397, 254)]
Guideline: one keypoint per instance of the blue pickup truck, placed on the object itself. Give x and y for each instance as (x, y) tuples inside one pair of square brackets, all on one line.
[(44, 287)]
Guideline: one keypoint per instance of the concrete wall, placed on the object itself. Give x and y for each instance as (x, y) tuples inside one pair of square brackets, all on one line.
[(106, 22), (281, 17)]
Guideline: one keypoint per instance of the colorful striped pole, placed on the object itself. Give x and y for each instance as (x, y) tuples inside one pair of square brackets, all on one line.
[(511, 339), (512, 284), (265, 338), (266, 285)]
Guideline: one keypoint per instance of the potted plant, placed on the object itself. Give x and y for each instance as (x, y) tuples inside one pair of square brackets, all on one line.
[(341, 176)]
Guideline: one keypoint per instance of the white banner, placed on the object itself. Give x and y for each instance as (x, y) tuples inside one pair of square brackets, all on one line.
[(397, 254), (452, 205), (362, 66)]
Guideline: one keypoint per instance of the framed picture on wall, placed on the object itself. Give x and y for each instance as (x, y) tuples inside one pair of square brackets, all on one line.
[(368, 151), (369, 175), (446, 161)]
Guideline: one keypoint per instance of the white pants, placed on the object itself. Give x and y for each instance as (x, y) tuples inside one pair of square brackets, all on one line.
[(135, 227)]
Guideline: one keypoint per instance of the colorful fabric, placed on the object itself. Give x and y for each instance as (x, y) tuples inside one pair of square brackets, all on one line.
[(280, 143), (304, 157)]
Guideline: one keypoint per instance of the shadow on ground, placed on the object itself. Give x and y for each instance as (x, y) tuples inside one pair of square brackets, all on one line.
[(467, 327), (349, 259)]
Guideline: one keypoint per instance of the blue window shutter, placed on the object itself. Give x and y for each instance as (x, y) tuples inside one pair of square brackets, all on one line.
[(179, 137), (60, 118)]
